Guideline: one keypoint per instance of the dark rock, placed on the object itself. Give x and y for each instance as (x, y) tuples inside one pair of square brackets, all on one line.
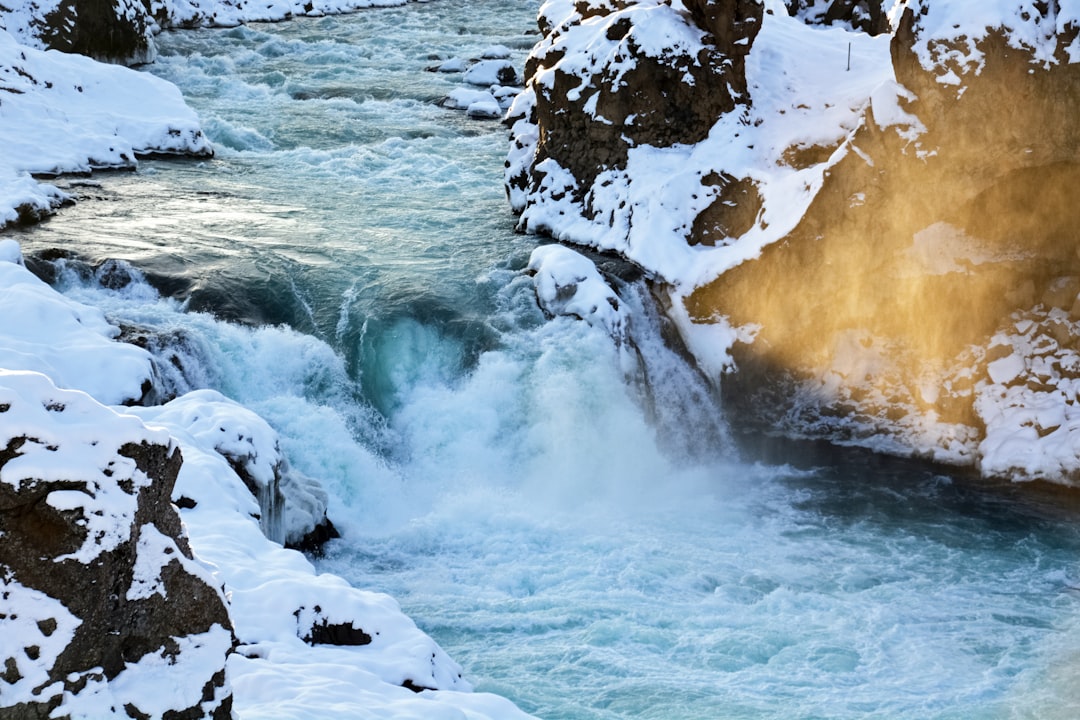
[(126, 580), (411, 684), (315, 628), (658, 101), (732, 213), (869, 16), (107, 30), (314, 541), (337, 634)]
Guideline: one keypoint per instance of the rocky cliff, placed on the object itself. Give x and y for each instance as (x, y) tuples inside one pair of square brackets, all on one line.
[(920, 293)]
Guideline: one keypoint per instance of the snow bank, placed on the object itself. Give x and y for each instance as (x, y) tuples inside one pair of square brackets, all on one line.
[(67, 113), (290, 504), (72, 343)]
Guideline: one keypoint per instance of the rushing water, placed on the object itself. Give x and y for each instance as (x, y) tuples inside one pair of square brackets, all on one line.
[(588, 546)]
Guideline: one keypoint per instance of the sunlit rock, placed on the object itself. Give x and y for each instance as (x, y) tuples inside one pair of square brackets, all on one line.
[(858, 230), (875, 312)]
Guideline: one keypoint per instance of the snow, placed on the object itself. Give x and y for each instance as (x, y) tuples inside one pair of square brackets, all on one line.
[(1028, 401), (68, 113), (950, 33), (453, 65), (462, 98)]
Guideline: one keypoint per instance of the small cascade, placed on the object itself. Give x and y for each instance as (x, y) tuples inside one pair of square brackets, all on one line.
[(679, 401)]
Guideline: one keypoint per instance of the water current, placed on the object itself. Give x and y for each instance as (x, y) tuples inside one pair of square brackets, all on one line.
[(590, 547)]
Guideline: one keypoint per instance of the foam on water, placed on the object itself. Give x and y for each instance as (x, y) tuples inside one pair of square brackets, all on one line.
[(582, 539)]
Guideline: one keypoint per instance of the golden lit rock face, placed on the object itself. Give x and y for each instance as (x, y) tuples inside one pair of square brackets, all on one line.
[(883, 301)]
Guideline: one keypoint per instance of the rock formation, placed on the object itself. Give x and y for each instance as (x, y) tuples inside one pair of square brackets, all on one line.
[(99, 592), (894, 302), (925, 301), (635, 91), (869, 16)]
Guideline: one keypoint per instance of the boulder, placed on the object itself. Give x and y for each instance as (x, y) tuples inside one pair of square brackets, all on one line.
[(103, 609)]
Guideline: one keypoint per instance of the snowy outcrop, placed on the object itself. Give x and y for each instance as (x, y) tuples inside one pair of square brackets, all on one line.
[(861, 233), (103, 609), (949, 216), (117, 31), (610, 76), (869, 16), (62, 113)]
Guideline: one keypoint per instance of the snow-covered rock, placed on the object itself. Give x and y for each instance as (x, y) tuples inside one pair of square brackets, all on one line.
[(118, 31), (854, 228), (568, 283), (67, 113), (104, 611), (486, 73)]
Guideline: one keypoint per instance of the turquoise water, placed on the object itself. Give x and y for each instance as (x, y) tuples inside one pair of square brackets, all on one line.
[(589, 546)]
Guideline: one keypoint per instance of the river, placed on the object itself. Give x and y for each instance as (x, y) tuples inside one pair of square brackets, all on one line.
[(591, 547)]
